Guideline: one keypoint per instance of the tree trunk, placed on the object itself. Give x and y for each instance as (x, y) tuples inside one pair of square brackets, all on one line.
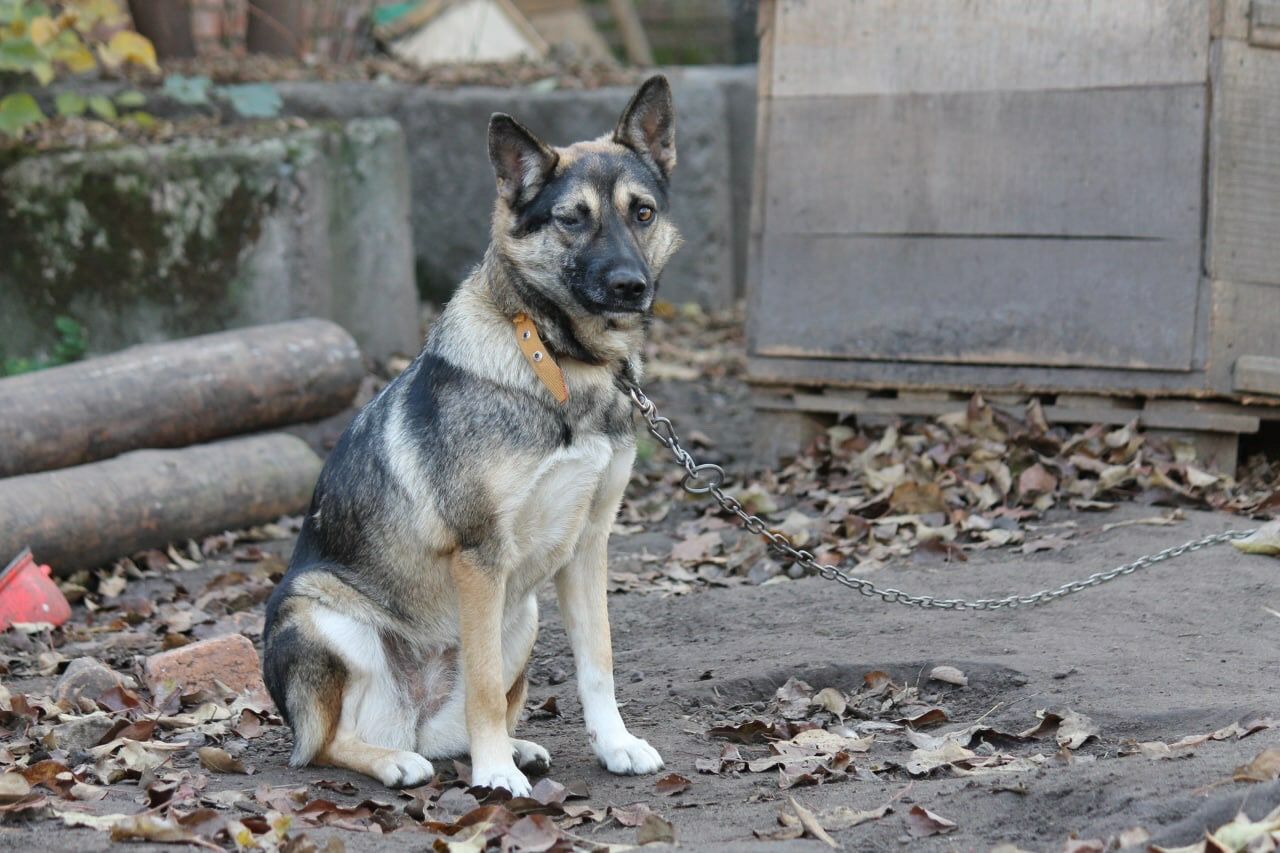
[(177, 393), (86, 516)]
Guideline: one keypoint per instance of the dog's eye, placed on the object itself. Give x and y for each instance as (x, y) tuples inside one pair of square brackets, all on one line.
[(569, 220), (644, 213)]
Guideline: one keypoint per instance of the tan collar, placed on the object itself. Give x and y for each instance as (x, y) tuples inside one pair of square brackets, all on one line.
[(539, 358)]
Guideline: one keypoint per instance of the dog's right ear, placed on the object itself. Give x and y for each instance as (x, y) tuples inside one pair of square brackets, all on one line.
[(521, 161)]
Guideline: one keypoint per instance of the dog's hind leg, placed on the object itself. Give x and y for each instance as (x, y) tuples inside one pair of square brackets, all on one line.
[(395, 768), (374, 732), (307, 682), (516, 697), (530, 757)]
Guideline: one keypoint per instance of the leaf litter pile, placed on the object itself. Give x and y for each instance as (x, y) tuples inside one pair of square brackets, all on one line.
[(885, 730), (983, 477)]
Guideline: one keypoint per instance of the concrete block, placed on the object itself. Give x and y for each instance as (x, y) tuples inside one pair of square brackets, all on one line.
[(738, 82), (452, 182), (148, 243)]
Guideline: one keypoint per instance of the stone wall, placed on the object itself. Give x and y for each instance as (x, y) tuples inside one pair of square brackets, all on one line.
[(150, 243)]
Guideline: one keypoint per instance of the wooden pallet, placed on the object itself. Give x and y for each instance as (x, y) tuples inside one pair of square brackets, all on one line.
[(1214, 428)]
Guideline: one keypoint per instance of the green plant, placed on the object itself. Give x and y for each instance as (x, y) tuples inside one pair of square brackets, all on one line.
[(69, 347), (42, 40)]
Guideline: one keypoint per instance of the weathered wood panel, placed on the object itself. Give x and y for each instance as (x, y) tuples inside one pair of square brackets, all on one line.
[(1245, 324), (1258, 374), (1112, 162), (1073, 303), (854, 47), (1244, 166)]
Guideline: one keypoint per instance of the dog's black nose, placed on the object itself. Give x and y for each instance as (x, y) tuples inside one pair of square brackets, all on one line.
[(627, 284)]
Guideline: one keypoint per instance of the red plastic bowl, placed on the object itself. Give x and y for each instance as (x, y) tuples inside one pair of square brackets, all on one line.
[(28, 595)]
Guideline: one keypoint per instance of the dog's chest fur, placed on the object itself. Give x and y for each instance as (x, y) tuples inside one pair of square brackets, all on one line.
[(546, 511)]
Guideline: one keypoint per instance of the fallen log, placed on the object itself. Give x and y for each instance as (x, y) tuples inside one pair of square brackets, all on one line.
[(177, 393), (88, 515)]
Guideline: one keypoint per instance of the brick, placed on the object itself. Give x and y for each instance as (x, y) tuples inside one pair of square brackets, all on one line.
[(231, 660)]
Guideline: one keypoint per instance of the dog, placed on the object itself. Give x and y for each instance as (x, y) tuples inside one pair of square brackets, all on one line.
[(494, 463)]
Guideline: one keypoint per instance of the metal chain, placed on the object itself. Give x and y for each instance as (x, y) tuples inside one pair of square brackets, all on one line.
[(706, 478)]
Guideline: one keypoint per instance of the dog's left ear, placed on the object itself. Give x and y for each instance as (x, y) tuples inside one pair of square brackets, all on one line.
[(648, 125)]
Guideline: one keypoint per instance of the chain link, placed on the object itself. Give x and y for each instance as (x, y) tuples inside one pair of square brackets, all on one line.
[(707, 478)]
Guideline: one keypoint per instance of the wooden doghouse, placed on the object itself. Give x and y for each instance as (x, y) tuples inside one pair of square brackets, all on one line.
[(1078, 201)]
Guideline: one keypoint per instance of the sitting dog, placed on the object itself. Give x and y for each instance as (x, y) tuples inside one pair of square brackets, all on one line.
[(494, 463)]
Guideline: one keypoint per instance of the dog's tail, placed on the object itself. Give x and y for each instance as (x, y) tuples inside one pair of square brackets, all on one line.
[(306, 681)]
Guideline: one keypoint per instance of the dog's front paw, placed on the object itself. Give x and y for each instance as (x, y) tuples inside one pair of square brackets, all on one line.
[(403, 769), (501, 776), (628, 755), (530, 757)]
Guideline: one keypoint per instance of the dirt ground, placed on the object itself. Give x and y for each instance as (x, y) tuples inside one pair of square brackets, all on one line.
[(1187, 648)]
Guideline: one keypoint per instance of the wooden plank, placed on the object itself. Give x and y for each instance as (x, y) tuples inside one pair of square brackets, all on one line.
[(1070, 303), (874, 405), (1095, 401), (862, 373), (1199, 414), (1243, 324), (1215, 451), (1257, 374), (1115, 162), (759, 170), (1181, 415), (855, 47), (1244, 166)]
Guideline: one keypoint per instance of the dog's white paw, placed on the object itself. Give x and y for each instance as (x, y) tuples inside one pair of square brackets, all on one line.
[(502, 776), (628, 755), (403, 769), (530, 757)]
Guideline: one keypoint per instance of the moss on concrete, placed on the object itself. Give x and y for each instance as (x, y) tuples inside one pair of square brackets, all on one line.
[(100, 235)]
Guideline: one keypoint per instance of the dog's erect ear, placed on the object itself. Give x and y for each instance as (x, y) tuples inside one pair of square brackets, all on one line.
[(521, 161), (648, 125)]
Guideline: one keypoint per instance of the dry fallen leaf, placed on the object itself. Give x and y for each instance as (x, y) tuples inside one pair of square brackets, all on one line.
[(13, 787), (843, 817), (672, 784), (830, 699), (949, 675), (1072, 730), (655, 830), (810, 823), (921, 823), (696, 547), (219, 760), (1264, 540), (1265, 767)]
